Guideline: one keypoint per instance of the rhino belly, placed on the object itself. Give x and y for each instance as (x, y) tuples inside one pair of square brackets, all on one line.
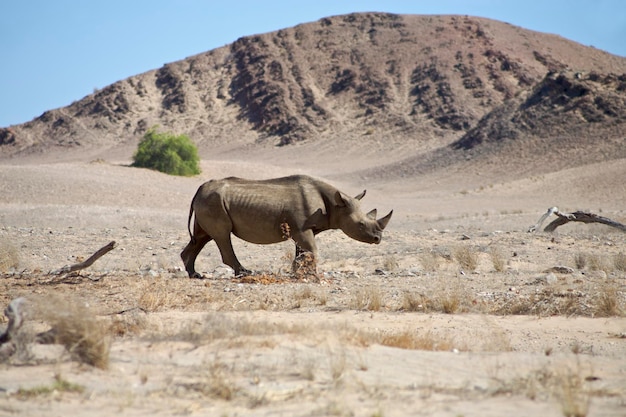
[(255, 229)]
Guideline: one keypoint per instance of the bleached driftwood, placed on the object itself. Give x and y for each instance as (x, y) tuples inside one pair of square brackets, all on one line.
[(577, 216), (87, 263), (15, 313)]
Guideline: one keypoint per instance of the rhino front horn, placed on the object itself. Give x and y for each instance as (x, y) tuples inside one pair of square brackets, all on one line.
[(382, 222)]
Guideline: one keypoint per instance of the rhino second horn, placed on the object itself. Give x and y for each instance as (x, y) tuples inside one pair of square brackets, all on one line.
[(382, 222), (372, 214)]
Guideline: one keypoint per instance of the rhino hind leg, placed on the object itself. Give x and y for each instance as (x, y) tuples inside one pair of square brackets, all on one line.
[(191, 251), (225, 246)]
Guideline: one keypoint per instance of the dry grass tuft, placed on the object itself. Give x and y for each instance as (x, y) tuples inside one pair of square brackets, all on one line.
[(77, 328), (467, 257), (390, 263), (157, 293), (599, 263), (412, 302), (368, 298), (337, 364), (497, 259), (619, 261), (220, 326), (217, 384), (429, 261), (131, 324), (571, 394), (9, 257), (449, 299), (59, 385), (580, 260), (214, 381), (607, 301), (413, 341)]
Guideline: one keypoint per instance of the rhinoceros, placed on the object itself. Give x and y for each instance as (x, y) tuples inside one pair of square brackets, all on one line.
[(258, 210)]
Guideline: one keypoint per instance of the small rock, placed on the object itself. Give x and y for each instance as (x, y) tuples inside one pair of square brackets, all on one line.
[(551, 278), (560, 269)]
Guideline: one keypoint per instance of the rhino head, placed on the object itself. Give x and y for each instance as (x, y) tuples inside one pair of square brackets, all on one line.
[(354, 223)]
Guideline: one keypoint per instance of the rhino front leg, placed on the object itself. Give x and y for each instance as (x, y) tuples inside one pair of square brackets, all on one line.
[(225, 246), (306, 253)]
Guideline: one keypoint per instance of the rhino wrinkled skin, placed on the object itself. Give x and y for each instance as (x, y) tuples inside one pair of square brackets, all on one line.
[(257, 211)]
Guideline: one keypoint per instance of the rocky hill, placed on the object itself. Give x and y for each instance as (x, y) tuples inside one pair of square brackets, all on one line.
[(456, 82)]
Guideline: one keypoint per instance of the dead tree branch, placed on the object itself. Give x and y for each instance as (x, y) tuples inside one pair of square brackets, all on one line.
[(577, 216), (87, 263), (15, 313)]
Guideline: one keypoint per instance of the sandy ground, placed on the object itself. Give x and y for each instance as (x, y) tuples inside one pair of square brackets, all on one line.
[(535, 327)]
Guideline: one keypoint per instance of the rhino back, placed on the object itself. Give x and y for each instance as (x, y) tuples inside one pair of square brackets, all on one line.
[(257, 209)]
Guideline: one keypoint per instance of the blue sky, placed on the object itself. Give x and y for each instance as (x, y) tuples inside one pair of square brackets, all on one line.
[(55, 52)]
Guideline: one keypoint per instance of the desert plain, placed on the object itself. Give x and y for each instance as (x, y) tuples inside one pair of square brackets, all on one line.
[(460, 311)]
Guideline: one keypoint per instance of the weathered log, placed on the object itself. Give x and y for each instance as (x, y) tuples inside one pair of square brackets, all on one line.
[(87, 263), (583, 217), (15, 313), (577, 216)]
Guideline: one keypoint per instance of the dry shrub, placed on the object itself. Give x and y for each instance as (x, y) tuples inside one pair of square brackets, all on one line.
[(497, 259), (390, 263), (607, 302), (214, 382), (449, 299), (337, 364), (413, 341), (9, 257), (599, 263), (580, 260), (412, 302), (368, 298), (619, 261), (158, 293), (429, 261), (467, 257), (307, 293), (59, 385), (127, 324), (221, 326), (77, 328), (571, 394)]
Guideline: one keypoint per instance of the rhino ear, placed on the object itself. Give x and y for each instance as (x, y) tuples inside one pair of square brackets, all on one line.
[(339, 200), (316, 220), (360, 196), (382, 222), (372, 214)]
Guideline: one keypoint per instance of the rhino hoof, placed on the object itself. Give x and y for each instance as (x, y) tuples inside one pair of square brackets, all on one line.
[(196, 275), (243, 273)]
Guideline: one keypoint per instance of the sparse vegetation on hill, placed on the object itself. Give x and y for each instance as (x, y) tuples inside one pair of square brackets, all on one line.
[(168, 153)]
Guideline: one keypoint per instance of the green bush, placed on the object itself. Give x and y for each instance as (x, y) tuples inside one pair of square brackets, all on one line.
[(165, 152)]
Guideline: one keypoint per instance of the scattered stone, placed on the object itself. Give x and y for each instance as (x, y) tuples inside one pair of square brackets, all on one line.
[(560, 270)]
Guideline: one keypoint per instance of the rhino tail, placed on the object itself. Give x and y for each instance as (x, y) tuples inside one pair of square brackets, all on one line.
[(191, 236)]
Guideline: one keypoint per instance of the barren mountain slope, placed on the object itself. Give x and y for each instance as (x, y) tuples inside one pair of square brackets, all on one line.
[(397, 81)]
